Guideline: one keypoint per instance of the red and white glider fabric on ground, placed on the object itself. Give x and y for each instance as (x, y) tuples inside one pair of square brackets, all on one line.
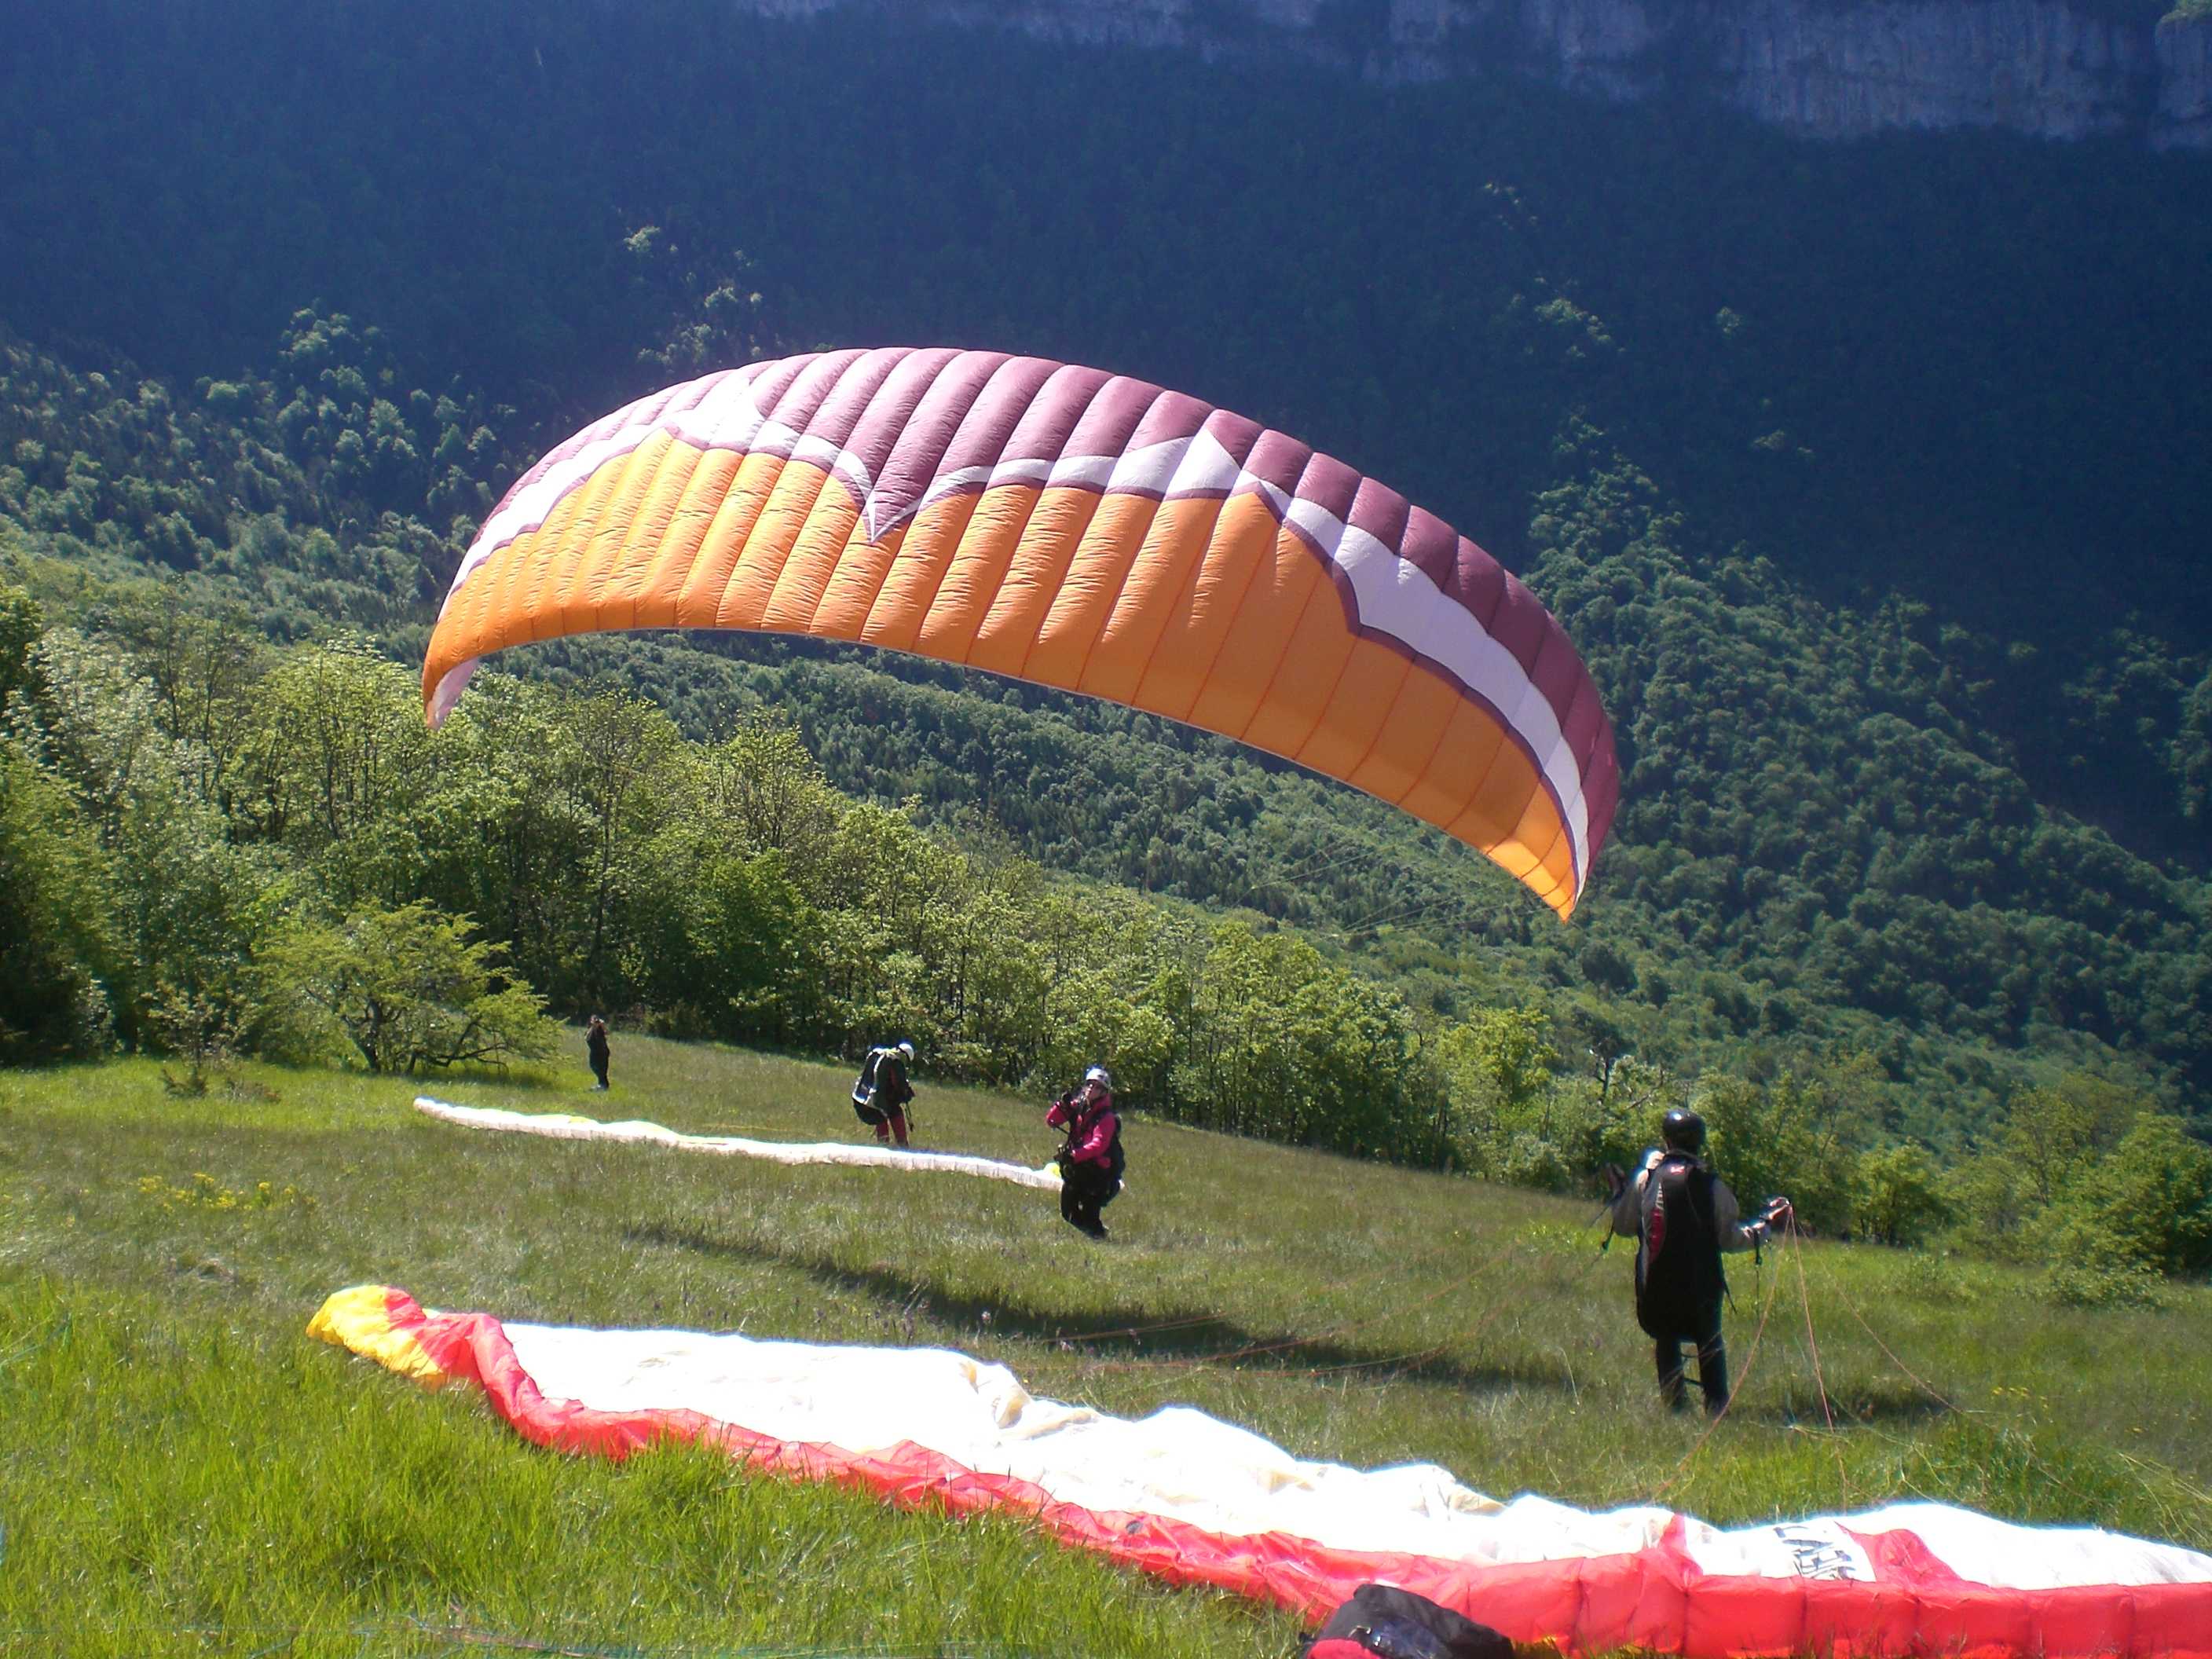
[(563, 1126), (1199, 1501)]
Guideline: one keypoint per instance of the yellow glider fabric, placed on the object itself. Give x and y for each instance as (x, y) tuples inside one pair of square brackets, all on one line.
[(366, 1319), (1075, 529)]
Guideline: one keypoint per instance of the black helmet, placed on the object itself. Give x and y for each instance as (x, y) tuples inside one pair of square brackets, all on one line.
[(1682, 1131)]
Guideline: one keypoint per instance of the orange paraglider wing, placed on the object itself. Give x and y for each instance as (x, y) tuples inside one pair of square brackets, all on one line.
[(1075, 529)]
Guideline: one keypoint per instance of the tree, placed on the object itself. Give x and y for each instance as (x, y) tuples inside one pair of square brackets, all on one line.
[(187, 903), (2191, 753), (1767, 1142), (627, 780), (1601, 1035), (339, 766), (20, 623), (727, 950), (404, 989), (1502, 1059), (203, 670), (1089, 1020), (58, 941), (2152, 1194), (2054, 1133), (505, 837), (763, 783)]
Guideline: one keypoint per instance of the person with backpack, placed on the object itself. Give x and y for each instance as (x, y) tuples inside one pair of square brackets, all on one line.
[(1683, 1217), (881, 1095), (1091, 1163)]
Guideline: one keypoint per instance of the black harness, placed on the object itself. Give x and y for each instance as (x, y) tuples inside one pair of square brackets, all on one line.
[(1679, 1281)]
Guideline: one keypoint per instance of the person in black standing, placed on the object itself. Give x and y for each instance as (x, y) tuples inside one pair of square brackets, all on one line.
[(1682, 1217), (595, 1045)]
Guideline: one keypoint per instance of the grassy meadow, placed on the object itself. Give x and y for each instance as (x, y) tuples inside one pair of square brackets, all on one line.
[(182, 1470)]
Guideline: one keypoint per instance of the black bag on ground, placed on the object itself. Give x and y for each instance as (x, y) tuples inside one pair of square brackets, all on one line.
[(1390, 1623)]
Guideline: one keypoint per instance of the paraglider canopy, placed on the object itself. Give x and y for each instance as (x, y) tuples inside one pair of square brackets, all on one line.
[(1075, 529)]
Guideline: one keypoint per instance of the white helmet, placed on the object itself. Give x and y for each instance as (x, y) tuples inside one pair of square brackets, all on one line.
[(1102, 1077), (907, 1048)]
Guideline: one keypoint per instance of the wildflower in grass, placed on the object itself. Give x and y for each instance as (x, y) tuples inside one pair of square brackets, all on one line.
[(206, 1193)]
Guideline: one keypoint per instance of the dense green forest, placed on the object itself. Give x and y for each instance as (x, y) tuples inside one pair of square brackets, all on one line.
[(1870, 481), (211, 846)]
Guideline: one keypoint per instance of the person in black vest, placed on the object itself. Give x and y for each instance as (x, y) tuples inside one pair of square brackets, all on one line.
[(1090, 1162), (1682, 1217), (881, 1095), (595, 1047)]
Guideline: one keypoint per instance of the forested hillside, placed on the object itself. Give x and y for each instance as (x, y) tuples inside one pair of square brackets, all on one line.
[(1870, 482)]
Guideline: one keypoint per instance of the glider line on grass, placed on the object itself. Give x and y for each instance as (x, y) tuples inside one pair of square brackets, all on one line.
[(567, 1125), (1194, 1500)]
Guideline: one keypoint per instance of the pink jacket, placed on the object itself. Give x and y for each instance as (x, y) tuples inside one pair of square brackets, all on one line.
[(1089, 1133)]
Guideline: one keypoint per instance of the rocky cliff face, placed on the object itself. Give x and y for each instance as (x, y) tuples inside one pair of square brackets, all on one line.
[(2184, 115), (1830, 69)]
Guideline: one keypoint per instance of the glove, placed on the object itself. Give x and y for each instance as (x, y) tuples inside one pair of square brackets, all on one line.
[(1616, 1180), (1778, 1213)]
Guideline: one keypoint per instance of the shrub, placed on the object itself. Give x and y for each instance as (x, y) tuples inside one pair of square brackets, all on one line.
[(1930, 1277), (2094, 1267), (2106, 1284), (1897, 1195)]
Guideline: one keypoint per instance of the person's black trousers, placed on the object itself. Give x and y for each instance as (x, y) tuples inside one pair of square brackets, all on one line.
[(1085, 1189), (1712, 1362)]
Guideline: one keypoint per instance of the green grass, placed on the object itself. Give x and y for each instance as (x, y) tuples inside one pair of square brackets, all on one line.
[(181, 1470)]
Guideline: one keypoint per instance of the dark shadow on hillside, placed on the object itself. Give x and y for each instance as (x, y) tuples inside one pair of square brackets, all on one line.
[(1133, 1334)]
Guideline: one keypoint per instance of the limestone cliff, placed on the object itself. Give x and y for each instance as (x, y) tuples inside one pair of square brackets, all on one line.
[(1829, 69)]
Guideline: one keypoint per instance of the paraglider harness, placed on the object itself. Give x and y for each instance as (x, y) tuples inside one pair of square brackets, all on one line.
[(864, 1090), (1388, 1623), (1674, 1286)]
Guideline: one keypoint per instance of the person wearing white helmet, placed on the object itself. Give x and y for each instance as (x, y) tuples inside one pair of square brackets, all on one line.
[(1090, 1162), (882, 1095)]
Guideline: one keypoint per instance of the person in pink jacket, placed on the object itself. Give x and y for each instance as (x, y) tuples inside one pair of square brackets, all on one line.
[(1090, 1162)]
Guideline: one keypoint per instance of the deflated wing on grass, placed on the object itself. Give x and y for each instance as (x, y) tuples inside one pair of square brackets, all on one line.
[(1195, 1500), (566, 1126)]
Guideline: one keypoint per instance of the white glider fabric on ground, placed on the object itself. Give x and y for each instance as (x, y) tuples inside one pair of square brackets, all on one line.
[(563, 1126), (1195, 1500)]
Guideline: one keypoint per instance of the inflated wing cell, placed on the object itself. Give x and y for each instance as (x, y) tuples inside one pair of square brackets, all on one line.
[(1075, 529)]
